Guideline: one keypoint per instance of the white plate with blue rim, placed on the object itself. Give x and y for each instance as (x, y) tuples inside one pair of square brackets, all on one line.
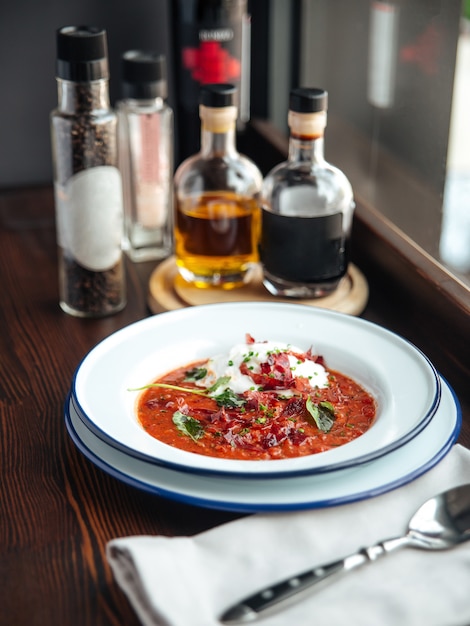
[(250, 495), (403, 381)]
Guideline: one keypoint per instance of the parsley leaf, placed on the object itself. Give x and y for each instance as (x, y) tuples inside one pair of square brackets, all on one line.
[(322, 414), (226, 397), (196, 373), (229, 399), (188, 425), (223, 380)]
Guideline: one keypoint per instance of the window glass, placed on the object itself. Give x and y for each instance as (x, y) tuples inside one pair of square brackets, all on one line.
[(398, 77)]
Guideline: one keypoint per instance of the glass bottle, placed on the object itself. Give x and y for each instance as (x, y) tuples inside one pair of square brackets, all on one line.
[(211, 44), (217, 200), (145, 127), (87, 182), (307, 209)]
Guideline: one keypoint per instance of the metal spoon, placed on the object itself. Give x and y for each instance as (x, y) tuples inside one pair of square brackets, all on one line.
[(440, 523)]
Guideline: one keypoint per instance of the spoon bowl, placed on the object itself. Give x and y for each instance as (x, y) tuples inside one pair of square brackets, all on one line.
[(443, 521)]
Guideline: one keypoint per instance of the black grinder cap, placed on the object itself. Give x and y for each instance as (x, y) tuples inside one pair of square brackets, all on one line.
[(143, 75), (82, 53), (308, 100), (218, 95)]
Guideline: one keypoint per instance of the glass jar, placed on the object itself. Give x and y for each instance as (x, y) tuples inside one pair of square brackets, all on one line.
[(87, 182), (145, 127)]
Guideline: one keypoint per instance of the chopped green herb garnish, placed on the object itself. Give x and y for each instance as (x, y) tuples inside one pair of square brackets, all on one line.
[(328, 406), (266, 410), (322, 414), (198, 392), (229, 399), (196, 373), (223, 380), (188, 425)]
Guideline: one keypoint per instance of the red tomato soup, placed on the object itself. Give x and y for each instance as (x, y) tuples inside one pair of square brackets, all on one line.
[(269, 402)]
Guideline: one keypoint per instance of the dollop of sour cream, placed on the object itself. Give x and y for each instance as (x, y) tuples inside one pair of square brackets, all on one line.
[(228, 365)]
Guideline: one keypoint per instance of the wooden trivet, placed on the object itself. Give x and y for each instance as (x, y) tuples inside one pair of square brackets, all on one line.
[(169, 291)]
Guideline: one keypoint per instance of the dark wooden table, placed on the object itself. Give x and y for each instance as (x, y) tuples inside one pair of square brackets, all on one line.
[(57, 510)]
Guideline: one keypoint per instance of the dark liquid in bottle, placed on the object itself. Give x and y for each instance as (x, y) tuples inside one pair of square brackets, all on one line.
[(304, 249)]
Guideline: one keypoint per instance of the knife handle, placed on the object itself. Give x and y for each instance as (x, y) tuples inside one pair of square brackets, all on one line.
[(251, 607)]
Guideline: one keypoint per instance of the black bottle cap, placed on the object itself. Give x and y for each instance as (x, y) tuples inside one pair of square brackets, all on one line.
[(218, 95), (82, 53), (308, 100), (143, 74)]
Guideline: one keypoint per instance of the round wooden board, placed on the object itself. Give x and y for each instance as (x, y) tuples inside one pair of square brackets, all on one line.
[(169, 291)]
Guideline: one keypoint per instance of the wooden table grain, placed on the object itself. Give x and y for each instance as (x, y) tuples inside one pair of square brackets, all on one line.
[(57, 510)]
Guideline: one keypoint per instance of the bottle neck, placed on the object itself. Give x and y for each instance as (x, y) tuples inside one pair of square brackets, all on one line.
[(218, 144), (218, 131), (306, 149), (306, 136), (83, 97)]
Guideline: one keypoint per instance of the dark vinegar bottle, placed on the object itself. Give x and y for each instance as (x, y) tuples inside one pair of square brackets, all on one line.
[(307, 209), (211, 41)]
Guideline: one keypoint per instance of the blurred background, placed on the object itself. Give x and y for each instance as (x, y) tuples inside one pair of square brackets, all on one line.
[(397, 73)]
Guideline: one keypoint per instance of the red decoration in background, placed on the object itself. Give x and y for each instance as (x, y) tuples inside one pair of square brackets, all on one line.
[(210, 63), (424, 51)]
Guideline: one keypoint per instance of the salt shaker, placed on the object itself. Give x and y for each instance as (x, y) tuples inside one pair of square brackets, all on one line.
[(145, 132), (87, 181)]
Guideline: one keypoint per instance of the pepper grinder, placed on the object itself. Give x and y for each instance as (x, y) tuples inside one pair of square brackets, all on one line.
[(87, 182)]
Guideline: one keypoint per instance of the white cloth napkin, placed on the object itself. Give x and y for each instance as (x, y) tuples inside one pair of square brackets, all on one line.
[(190, 581)]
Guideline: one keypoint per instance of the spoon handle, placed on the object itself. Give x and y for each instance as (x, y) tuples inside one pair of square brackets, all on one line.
[(251, 607)]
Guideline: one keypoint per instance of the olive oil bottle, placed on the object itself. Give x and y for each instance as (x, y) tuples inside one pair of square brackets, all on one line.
[(217, 217)]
